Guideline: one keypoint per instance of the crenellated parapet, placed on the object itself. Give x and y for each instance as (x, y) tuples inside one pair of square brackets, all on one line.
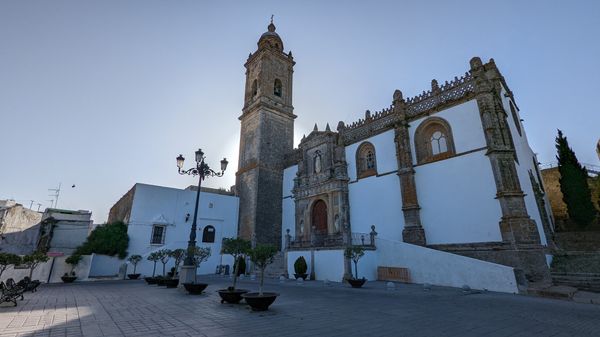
[(438, 97)]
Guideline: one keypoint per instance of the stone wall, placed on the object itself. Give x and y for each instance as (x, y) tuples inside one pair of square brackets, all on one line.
[(578, 241), (551, 178), (19, 227), (121, 210)]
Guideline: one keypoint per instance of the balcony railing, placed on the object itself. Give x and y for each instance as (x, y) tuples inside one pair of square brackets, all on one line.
[(331, 240)]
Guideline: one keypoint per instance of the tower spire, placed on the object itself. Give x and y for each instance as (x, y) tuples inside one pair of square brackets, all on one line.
[(272, 18)]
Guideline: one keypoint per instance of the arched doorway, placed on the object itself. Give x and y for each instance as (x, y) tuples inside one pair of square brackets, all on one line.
[(319, 217)]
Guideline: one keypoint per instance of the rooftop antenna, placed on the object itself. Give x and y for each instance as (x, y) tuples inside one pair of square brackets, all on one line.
[(56, 194), (39, 205), (271, 18)]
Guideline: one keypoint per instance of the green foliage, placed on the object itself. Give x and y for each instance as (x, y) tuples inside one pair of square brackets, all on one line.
[(178, 255), (7, 259), (33, 260), (262, 255), (300, 266), (164, 255), (201, 254), (154, 257), (135, 259), (108, 239), (237, 248), (574, 185), (354, 253), (73, 260)]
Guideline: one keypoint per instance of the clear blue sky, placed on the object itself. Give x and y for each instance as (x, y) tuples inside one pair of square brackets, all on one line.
[(103, 94)]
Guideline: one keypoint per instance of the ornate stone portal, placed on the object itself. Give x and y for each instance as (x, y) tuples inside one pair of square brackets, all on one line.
[(321, 191)]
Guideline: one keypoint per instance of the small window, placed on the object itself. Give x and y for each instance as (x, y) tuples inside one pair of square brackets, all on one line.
[(433, 140), (158, 235), (254, 88), (366, 161), (208, 235), (278, 88)]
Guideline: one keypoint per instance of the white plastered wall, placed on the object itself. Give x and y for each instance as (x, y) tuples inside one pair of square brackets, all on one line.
[(376, 200), (169, 206), (457, 195), (288, 217)]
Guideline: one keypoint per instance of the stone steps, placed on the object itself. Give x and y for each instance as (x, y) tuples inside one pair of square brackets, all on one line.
[(582, 281), (277, 268)]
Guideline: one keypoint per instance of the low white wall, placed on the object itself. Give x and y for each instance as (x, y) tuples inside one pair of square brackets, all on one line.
[(329, 264), (59, 269), (104, 265), (445, 269)]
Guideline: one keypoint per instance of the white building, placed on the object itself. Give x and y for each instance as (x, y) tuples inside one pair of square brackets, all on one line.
[(161, 217)]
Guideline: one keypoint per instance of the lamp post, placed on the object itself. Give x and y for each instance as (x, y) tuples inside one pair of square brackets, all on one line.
[(202, 170)]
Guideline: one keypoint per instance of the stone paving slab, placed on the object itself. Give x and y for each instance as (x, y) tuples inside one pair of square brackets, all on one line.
[(132, 308)]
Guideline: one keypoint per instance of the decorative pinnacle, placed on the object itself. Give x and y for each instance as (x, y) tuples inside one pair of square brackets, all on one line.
[(327, 128), (271, 26), (316, 128)]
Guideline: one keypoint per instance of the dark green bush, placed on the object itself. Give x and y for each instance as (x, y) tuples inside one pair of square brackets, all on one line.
[(300, 266), (108, 239)]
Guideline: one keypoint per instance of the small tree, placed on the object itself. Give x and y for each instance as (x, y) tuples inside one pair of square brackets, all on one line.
[(134, 260), (164, 257), (262, 256), (574, 184), (178, 255), (8, 259), (73, 260), (201, 254), (354, 253), (33, 260), (154, 257), (236, 248)]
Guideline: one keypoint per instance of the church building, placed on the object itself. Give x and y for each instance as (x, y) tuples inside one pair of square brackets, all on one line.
[(447, 175)]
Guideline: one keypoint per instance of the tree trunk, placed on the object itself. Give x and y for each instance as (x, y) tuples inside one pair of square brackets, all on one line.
[(356, 269), (235, 271), (154, 269), (164, 266), (262, 281)]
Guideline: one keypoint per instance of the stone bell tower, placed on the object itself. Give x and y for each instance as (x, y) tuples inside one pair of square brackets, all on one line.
[(267, 134)]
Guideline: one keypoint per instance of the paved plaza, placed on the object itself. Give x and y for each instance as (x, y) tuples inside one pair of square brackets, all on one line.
[(132, 308)]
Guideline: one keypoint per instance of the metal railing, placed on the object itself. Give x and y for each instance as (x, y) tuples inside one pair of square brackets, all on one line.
[(331, 240)]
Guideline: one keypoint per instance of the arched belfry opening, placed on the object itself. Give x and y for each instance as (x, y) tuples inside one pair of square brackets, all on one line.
[(319, 217)]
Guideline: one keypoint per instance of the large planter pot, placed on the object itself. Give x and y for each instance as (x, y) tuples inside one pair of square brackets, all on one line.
[(195, 288), (357, 282), (172, 283), (231, 296), (160, 281), (133, 276), (260, 302), (150, 280), (68, 279), (303, 276)]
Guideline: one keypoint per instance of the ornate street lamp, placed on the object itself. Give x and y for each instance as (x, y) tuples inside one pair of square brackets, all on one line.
[(202, 170)]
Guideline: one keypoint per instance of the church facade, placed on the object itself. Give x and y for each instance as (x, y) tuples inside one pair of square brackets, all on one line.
[(449, 170)]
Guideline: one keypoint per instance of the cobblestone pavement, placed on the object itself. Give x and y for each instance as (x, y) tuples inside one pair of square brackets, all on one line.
[(132, 308)]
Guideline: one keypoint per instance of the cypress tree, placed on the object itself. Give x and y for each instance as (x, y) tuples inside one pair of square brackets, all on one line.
[(574, 184)]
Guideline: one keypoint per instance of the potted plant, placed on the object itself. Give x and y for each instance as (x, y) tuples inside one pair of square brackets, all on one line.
[(300, 268), (154, 257), (261, 256), (73, 260), (134, 260), (236, 248), (164, 257), (34, 260), (177, 255), (201, 254), (354, 253)]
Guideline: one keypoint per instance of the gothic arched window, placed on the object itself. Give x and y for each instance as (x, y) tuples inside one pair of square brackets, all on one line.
[(366, 161), (277, 90), (208, 234), (433, 140)]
